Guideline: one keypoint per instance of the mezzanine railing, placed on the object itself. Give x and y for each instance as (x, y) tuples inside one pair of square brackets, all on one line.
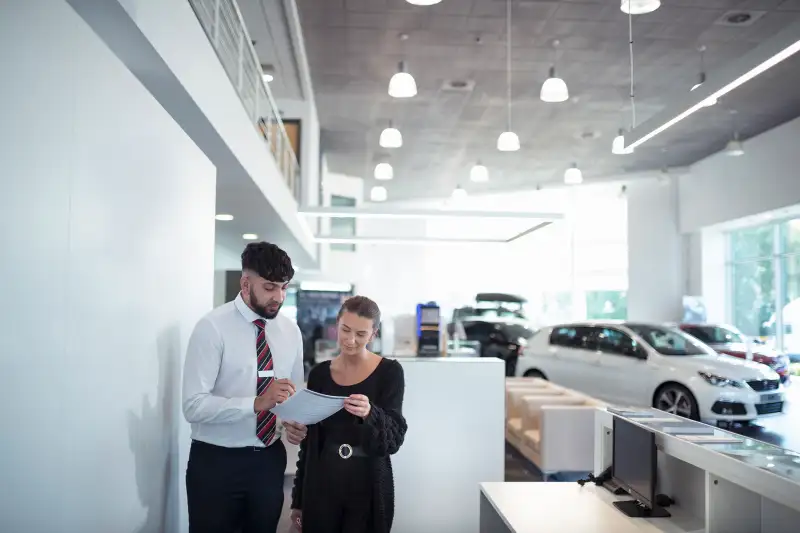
[(222, 22)]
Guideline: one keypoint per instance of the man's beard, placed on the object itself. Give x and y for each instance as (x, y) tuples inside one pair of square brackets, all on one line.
[(261, 309)]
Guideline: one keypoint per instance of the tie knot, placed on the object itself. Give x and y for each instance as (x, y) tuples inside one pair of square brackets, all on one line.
[(260, 323)]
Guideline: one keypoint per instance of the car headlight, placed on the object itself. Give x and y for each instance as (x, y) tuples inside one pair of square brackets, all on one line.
[(719, 381)]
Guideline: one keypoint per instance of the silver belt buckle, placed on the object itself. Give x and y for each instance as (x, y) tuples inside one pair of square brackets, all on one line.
[(345, 451)]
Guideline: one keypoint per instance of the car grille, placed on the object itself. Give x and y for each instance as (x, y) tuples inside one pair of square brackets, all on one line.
[(761, 385), (769, 408)]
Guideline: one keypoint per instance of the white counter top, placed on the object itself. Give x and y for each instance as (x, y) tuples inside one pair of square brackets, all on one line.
[(568, 507)]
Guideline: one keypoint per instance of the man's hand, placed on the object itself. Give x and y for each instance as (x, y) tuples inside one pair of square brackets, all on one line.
[(278, 392), (295, 432)]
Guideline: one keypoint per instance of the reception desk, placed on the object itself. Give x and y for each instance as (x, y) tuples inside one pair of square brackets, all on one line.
[(567, 508), (727, 484), (455, 408)]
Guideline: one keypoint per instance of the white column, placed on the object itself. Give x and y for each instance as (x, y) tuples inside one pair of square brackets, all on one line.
[(655, 259)]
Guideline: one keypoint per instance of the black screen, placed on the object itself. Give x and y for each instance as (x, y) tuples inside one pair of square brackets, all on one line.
[(634, 460)]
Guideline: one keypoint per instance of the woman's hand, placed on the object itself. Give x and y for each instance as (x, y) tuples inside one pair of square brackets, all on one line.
[(297, 519), (357, 404)]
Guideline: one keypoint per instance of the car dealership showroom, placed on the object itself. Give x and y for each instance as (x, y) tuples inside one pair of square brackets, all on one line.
[(579, 219)]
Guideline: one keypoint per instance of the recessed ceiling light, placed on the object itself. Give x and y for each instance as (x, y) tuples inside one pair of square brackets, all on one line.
[(249, 236), (423, 2), (224, 217), (268, 78)]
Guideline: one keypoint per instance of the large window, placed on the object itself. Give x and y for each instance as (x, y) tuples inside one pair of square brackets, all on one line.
[(606, 305), (764, 281)]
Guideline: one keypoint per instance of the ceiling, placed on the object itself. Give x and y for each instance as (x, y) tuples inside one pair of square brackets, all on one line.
[(354, 46)]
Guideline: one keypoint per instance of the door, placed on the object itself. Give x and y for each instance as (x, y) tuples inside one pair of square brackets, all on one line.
[(573, 358), (622, 371)]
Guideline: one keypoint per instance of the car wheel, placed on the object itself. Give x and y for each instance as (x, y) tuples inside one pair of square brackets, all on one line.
[(676, 399), (534, 374)]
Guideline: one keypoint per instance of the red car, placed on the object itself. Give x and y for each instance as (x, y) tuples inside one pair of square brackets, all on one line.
[(728, 340)]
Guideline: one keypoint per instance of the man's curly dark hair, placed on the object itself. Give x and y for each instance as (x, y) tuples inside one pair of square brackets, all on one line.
[(268, 261)]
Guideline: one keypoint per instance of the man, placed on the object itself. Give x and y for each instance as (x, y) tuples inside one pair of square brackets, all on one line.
[(242, 360)]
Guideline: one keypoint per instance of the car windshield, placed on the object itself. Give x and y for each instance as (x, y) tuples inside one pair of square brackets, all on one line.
[(667, 341), (714, 335)]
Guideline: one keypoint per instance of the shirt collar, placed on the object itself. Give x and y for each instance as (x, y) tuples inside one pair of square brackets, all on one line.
[(248, 314)]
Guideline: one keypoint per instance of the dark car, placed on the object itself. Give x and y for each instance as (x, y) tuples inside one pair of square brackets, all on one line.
[(498, 339), (729, 341)]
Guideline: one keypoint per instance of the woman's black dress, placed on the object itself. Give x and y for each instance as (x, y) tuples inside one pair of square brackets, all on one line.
[(354, 493)]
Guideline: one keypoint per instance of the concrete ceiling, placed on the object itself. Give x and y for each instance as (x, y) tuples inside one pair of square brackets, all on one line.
[(354, 46)]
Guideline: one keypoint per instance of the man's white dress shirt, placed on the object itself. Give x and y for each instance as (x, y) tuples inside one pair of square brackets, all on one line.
[(220, 372)]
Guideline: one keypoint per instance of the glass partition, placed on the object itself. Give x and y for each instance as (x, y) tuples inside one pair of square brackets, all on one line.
[(758, 454)]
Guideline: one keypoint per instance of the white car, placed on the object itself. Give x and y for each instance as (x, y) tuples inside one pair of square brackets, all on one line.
[(637, 364)]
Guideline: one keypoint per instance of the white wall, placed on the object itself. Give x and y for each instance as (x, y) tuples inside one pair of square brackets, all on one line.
[(655, 248), (586, 251), (107, 263), (722, 188)]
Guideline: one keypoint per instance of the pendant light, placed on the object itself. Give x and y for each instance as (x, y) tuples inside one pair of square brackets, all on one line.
[(391, 137), (479, 173), (573, 175), (402, 84), (423, 2), (508, 141), (383, 171), (639, 7), (701, 78), (618, 145), (459, 193), (554, 89), (378, 194), (734, 147)]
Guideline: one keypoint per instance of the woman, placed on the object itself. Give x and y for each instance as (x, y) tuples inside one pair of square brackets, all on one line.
[(344, 481)]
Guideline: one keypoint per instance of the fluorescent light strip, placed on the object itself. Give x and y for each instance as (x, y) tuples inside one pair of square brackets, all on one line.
[(744, 78), (400, 240), (426, 240), (356, 212)]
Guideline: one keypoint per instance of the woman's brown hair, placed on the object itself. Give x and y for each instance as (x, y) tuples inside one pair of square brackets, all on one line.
[(363, 307)]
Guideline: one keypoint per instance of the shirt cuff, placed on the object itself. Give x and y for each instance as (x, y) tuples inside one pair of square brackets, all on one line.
[(247, 405)]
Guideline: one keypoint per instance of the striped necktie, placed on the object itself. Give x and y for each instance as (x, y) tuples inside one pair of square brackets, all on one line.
[(265, 420)]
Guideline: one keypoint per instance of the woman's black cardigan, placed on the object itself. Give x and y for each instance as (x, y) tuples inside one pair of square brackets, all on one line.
[(384, 431)]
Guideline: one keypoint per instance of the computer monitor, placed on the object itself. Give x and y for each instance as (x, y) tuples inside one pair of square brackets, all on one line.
[(634, 468)]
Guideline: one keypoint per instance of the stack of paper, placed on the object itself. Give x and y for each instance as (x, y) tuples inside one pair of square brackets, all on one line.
[(309, 407)]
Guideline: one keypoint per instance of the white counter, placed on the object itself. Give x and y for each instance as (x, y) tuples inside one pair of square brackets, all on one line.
[(567, 508), (455, 408)]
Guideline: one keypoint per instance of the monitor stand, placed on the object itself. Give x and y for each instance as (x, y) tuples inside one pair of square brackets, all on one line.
[(634, 509)]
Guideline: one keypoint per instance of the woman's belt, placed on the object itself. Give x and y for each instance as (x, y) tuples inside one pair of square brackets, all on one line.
[(344, 450)]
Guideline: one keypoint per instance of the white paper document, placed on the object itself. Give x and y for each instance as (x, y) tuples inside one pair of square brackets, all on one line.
[(309, 407)]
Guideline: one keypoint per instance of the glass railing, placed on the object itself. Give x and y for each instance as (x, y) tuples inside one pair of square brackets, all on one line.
[(222, 22)]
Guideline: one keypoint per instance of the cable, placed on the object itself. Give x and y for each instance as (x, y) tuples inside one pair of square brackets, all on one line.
[(508, 62), (630, 47)]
